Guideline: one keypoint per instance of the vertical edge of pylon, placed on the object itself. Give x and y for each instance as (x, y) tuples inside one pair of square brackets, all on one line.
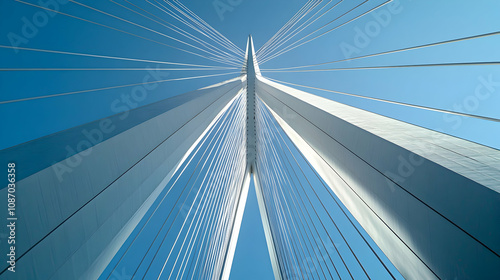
[(251, 49), (251, 75)]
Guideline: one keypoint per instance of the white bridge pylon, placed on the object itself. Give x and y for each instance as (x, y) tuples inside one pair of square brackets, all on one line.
[(430, 201)]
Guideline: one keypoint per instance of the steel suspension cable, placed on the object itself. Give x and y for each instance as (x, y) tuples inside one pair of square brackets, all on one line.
[(188, 161), (117, 29), (171, 27), (397, 103), (300, 28), (285, 50), (110, 87)]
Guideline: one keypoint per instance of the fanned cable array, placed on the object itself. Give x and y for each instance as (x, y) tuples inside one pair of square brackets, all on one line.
[(315, 235), (157, 190), (317, 19), (169, 24), (185, 234), (267, 53)]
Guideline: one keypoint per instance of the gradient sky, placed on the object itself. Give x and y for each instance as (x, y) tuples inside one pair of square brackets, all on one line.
[(416, 22), (411, 23)]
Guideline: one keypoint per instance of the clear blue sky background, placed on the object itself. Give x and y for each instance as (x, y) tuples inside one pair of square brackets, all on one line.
[(413, 23), (417, 22)]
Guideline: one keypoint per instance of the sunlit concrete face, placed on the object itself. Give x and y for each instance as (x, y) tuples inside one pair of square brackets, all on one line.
[(430, 201)]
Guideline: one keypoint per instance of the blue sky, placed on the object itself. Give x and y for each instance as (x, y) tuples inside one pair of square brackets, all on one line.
[(411, 23)]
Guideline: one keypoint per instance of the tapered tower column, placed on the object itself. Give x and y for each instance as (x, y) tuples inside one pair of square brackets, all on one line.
[(251, 70)]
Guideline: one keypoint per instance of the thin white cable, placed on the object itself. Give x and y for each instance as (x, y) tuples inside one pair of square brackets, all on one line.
[(213, 29), (278, 181), (216, 236), (209, 176), (302, 28), (108, 57), (287, 182), (202, 24), (400, 50), (197, 259), (197, 229), (278, 40), (106, 88), (323, 26), (289, 30), (281, 225), (397, 103), (145, 28), (111, 69), (328, 31), (274, 132), (210, 147), (116, 29), (280, 30), (172, 27), (177, 17), (189, 157), (210, 210)]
